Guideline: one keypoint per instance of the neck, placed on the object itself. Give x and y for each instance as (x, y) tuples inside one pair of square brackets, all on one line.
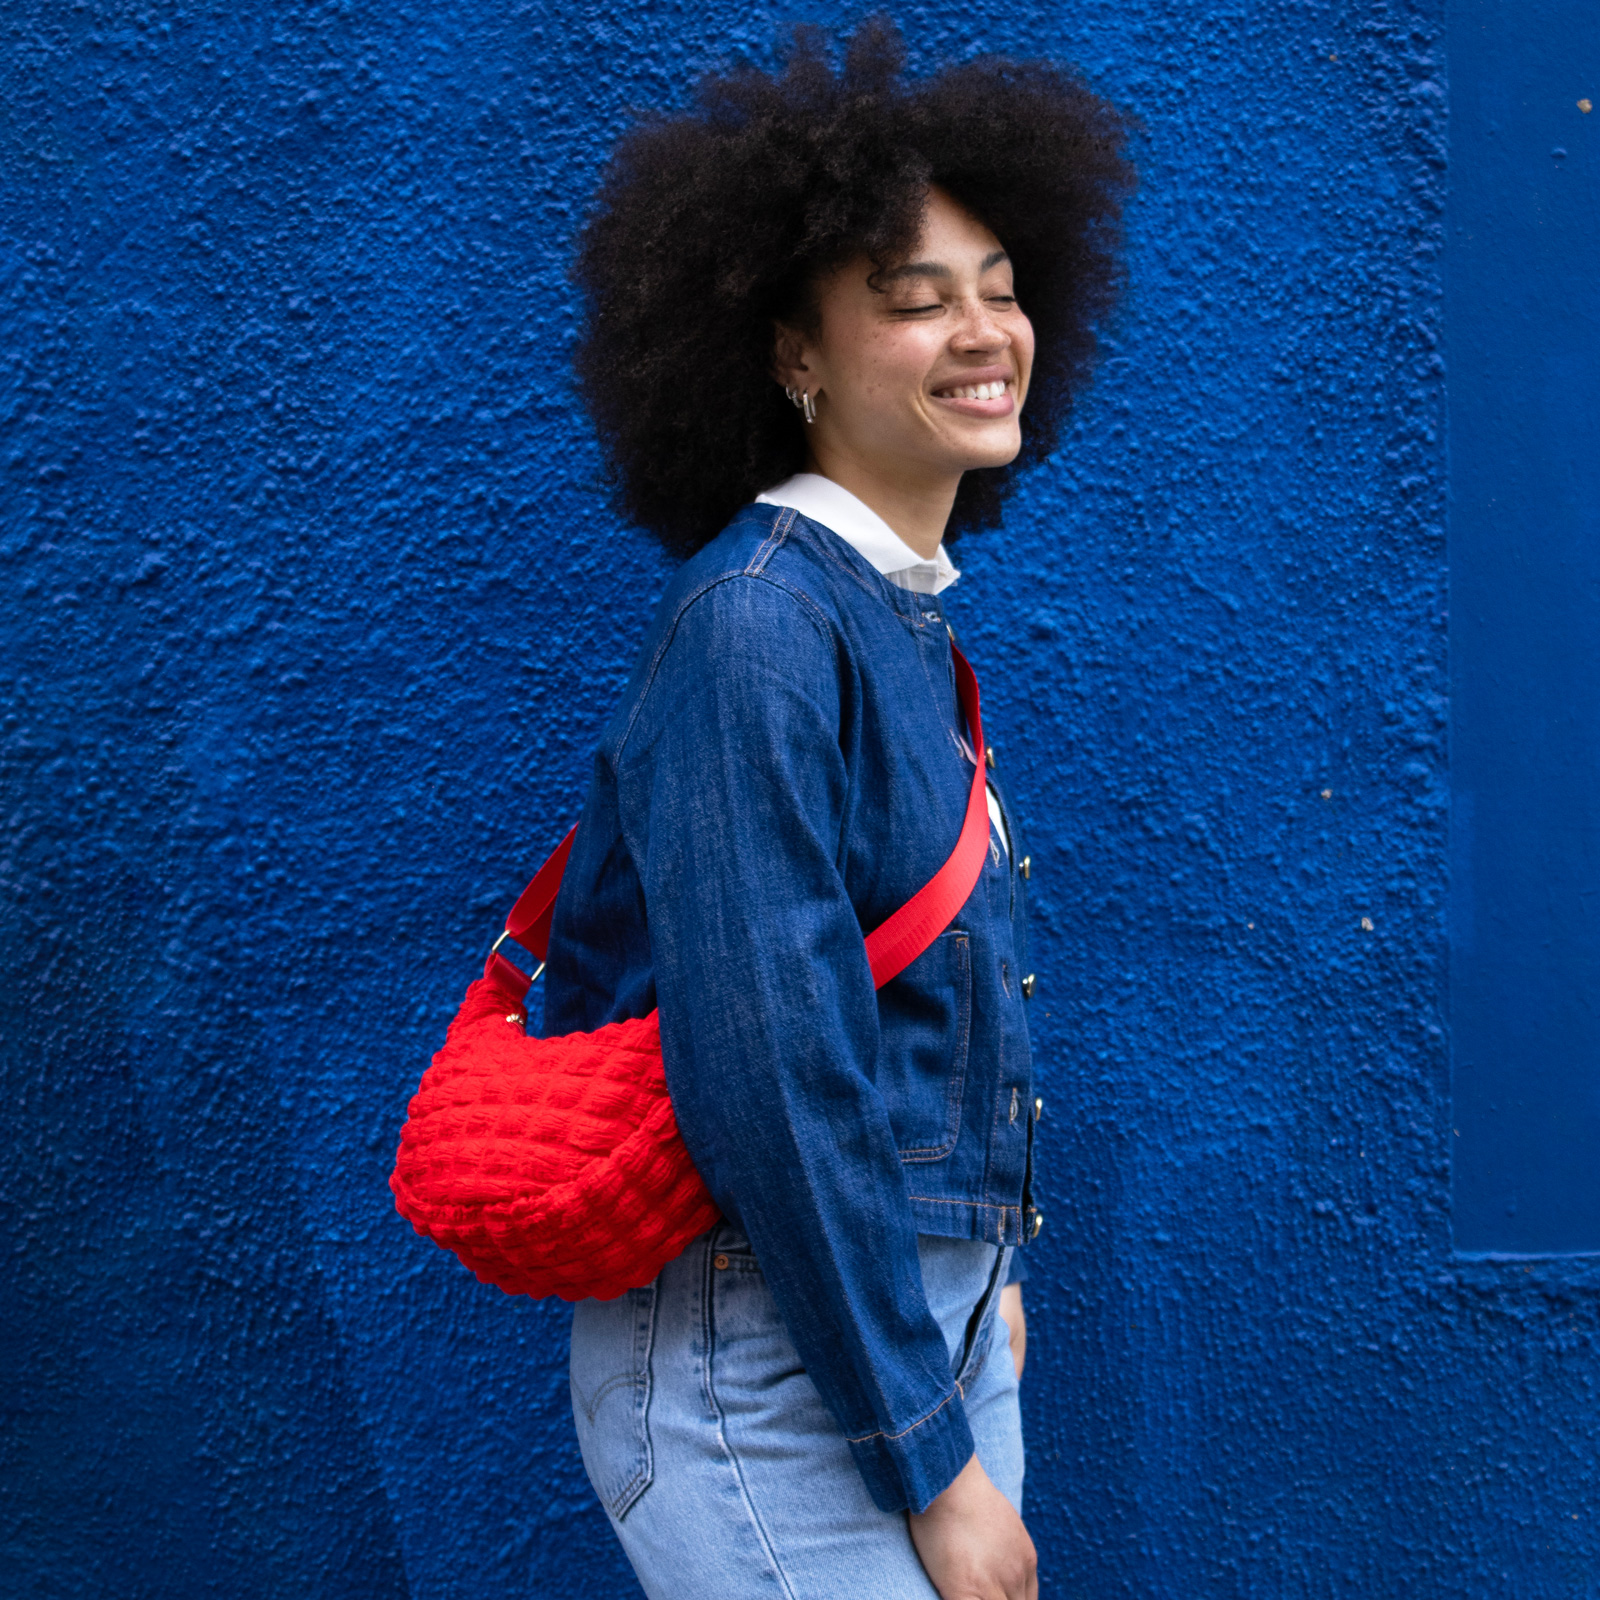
[(916, 507)]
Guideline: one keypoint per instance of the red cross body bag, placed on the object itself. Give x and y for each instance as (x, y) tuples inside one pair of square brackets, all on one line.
[(555, 1166)]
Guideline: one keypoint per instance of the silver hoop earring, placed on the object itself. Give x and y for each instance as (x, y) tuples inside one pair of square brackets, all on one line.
[(802, 402)]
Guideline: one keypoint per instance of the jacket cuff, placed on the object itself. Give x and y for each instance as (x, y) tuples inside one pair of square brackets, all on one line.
[(907, 1471)]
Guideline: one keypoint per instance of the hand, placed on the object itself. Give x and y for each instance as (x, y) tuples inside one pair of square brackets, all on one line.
[(1016, 1322), (973, 1544)]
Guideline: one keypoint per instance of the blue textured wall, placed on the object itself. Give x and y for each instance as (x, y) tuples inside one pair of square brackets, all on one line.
[(313, 608), (1523, 331)]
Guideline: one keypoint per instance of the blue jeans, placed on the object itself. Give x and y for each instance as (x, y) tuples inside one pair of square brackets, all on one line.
[(722, 1471)]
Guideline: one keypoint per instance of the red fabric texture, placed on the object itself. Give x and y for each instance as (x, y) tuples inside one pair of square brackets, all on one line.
[(512, 1156)]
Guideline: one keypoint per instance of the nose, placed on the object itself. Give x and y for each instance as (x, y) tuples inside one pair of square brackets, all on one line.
[(978, 330)]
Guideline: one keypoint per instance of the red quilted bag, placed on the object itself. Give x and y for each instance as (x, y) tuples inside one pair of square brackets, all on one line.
[(555, 1166)]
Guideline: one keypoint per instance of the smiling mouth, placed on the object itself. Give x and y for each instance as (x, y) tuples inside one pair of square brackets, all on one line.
[(972, 391)]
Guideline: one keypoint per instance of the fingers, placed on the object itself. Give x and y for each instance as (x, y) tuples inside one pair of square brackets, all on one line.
[(1030, 1583), (973, 1544)]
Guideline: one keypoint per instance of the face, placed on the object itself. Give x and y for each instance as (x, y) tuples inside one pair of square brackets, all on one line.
[(918, 371)]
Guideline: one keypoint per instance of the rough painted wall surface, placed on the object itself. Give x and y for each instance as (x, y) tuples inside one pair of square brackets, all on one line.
[(313, 608), (1523, 344)]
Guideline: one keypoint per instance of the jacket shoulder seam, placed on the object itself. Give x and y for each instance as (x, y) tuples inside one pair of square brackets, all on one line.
[(808, 606), (781, 524)]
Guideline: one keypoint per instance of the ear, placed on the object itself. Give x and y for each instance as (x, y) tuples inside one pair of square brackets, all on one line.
[(790, 348)]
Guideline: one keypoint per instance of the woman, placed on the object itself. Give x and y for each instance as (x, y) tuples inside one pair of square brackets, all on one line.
[(818, 308)]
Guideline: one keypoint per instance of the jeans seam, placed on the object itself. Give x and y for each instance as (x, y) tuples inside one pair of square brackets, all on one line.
[(708, 1335), (625, 1498)]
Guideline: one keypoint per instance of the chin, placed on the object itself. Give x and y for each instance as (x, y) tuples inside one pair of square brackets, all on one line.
[(1001, 453)]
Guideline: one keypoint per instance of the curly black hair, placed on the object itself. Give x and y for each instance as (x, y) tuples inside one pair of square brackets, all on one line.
[(711, 226)]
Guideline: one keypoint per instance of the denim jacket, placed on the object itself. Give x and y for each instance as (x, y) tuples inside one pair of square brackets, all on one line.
[(784, 771)]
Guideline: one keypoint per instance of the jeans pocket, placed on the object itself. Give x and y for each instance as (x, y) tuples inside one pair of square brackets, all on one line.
[(610, 1377), (749, 1345)]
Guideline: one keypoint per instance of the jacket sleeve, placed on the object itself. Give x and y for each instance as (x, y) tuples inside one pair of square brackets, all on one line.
[(769, 1018)]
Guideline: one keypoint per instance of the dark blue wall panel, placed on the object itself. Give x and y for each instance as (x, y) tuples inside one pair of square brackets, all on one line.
[(1524, 348), (313, 607)]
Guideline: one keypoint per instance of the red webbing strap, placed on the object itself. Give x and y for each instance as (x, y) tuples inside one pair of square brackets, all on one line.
[(529, 922), (898, 941), (891, 947)]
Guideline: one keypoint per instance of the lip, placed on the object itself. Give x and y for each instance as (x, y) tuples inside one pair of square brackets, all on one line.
[(1001, 406)]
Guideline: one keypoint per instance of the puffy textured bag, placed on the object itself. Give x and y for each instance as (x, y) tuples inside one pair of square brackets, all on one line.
[(555, 1166)]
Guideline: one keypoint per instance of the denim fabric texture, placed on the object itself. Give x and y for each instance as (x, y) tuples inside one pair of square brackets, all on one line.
[(783, 772), (723, 1473)]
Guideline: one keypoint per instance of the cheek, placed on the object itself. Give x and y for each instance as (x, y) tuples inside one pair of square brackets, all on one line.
[(891, 363), (1024, 344)]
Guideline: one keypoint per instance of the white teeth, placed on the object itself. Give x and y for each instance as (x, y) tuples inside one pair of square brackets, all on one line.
[(976, 391)]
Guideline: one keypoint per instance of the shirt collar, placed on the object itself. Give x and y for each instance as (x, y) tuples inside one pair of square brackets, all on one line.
[(839, 511)]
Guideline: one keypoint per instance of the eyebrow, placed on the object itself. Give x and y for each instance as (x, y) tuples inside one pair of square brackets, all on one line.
[(937, 269)]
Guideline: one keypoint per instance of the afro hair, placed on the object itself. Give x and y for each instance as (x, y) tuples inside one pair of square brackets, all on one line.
[(712, 226)]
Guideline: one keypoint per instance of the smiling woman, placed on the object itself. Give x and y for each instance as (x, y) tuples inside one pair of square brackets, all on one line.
[(711, 229), (829, 318), (915, 375)]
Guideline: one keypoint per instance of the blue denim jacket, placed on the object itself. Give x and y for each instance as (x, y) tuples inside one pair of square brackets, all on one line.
[(785, 771)]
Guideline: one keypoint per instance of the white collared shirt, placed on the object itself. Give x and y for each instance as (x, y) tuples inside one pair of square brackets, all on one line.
[(864, 531), (834, 507)]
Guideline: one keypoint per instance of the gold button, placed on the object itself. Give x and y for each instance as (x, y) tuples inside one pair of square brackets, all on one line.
[(720, 1263), (1038, 1109), (1027, 987), (1038, 1223), (1025, 866), (988, 756)]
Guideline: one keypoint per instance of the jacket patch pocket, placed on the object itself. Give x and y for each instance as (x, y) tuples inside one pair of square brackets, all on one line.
[(923, 1081), (610, 1376)]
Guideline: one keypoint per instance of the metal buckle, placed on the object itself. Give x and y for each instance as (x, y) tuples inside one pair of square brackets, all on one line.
[(494, 950)]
